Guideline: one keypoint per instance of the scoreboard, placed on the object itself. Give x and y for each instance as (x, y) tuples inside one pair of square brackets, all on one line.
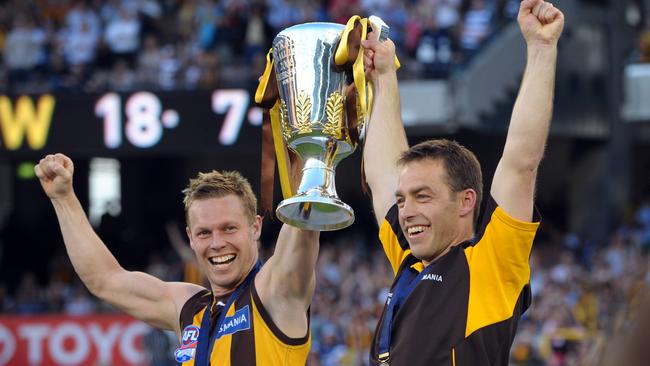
[(139, 122)]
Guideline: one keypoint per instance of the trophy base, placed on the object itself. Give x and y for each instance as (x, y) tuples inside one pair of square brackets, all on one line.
[(315, 213)]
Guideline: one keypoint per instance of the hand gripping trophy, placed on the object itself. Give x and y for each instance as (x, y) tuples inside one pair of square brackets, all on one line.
[(317, 102)]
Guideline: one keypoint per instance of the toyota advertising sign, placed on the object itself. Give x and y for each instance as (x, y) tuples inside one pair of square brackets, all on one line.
[(71, 340)]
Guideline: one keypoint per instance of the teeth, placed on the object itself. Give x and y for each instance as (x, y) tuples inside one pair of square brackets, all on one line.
[(222, 259), (415, 229)]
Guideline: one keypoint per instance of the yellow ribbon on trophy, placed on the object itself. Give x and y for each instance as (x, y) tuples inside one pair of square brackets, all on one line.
[(273, 148), (349, 53)]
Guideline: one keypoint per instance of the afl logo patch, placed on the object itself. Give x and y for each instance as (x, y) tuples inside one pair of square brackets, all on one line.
[(189, 341)]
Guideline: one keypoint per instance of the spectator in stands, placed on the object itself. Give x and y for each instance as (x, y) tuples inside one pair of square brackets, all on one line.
[(149, 60), (81, 18), (476, 28), (259, 34), (586, 308), (110, 10), (431, 36), (643, 218), (121, 77), (436, 50), (78, 302), (358, 336), (282, 14), (150, 14), (615, 255), (123, 36), (56, 294), (207, 16), (191, 272), (563, 271), (447, 14), (339, 11), (158, 348), (507, 9), (29, 297), (413, 30), (24, 49), (79, 44), (53, 12), (397, 16), (332, 348), (230, 38), (170, 66)]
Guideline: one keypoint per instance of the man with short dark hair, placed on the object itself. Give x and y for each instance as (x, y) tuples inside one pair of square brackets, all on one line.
[(460, 288)]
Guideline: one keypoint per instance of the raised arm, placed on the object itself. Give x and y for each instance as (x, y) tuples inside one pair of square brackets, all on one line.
[(138, 294), (287, 280), (385, 139), (513, 186)]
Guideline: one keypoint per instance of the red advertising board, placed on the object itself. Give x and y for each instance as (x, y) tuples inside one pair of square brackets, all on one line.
[(71, 340)]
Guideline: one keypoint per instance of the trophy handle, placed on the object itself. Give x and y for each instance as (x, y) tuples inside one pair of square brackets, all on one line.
[(379, 27)]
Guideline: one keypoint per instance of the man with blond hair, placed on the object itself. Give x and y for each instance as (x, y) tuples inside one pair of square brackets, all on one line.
[(253, 313)]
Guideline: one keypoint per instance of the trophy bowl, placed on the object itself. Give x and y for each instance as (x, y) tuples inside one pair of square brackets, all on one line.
[(314, 122)]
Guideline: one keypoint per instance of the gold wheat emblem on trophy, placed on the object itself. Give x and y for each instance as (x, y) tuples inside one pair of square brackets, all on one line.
[(334, 112), (303, 113), (284, 119)]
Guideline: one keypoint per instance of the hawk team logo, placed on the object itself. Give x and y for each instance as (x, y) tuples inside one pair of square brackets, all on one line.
[(189, 340)]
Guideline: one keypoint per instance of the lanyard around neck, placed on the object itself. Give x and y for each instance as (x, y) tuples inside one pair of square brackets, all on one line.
[(405, 285), (206, 340)]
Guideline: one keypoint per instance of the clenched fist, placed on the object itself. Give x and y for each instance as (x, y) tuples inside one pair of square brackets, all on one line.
[(378, 57), (540, 22), (55, 173)]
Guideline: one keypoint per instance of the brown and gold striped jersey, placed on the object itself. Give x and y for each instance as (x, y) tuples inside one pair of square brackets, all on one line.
[(465, 310), (248, 336)]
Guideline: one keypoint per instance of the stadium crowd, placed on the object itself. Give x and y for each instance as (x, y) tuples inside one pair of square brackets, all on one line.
[(583, 294), (97, 45)]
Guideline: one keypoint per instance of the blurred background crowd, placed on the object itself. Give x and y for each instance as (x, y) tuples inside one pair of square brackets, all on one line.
[(584, 293), (94, 45)]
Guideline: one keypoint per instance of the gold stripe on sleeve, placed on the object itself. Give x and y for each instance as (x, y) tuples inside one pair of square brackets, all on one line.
[(498, 270)]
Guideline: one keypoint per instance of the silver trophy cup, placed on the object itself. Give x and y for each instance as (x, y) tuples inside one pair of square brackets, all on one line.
[(314, 122)]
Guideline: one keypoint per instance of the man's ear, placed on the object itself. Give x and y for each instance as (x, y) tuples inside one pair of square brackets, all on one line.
[(467, 200), (257, 227)]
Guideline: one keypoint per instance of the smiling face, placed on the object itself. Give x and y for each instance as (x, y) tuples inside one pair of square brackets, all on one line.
[(224, 238), (432, 216)]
